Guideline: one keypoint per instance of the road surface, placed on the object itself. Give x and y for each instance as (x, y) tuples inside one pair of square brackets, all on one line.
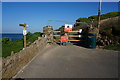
[(72, 62)]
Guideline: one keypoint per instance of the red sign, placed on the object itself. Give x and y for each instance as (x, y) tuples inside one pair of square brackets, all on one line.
[(64, 38), (68, 29)]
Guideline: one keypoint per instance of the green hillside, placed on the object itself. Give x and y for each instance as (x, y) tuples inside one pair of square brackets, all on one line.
[(103, 16)]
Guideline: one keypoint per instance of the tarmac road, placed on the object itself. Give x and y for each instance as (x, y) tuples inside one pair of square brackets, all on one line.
[(72, 62)]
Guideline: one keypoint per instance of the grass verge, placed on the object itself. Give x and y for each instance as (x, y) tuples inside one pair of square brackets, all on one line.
[(113, 47)]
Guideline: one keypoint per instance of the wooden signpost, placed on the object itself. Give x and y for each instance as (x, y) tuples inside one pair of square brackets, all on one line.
[(24, 33)]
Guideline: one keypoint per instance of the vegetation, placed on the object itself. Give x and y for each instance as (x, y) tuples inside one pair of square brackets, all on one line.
[(61, 28), (5, 40), (113, 47), (83, 20), (9, 46), (95, 18), (32, 37)]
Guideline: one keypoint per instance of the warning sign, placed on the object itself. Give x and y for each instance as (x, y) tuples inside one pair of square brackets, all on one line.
[(68, 27), (64, 38)]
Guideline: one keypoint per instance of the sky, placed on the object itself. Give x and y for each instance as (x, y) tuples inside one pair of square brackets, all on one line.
[(58, 0), (0, 18), (37, 14)]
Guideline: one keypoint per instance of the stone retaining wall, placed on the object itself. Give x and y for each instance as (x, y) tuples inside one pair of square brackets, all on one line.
[(12, 64)]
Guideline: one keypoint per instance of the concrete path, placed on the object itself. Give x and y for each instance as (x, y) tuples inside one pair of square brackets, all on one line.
[(72, 62)]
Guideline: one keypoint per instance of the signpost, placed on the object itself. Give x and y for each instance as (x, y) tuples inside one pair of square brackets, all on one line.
[(24, 33)]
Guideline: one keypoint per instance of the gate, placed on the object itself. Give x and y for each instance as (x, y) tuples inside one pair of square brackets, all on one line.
[(72, 35)]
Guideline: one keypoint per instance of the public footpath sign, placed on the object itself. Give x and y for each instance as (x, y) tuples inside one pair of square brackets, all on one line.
[(68, 27), (24, 32), (64, 38)]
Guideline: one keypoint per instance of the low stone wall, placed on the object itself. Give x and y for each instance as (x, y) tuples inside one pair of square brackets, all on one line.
[(12, 64)]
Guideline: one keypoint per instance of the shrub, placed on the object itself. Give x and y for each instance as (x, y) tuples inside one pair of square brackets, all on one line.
[(5, 40), (113, 47)]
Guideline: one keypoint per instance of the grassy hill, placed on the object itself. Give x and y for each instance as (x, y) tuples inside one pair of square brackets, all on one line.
[(95, 18)]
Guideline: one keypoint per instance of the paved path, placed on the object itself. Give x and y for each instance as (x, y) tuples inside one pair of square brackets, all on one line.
[(72, 62)]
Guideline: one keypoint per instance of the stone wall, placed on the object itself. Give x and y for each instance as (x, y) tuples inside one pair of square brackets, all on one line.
[(12, 64)]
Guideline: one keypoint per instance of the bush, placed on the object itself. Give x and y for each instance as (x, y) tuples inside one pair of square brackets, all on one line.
[(31, 38), (83, 20), (113, 47), (14, 46), (61, 28), (5, 40)]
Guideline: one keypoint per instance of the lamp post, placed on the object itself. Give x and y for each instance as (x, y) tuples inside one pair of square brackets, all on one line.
[(24, 33)]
